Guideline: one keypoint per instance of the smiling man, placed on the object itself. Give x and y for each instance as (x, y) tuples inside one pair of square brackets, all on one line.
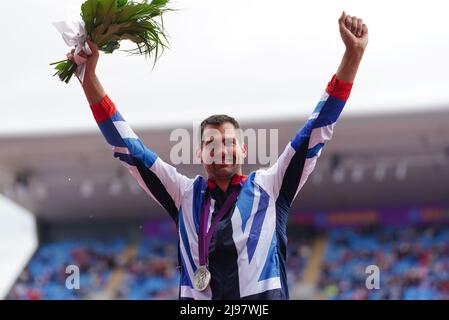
[(231, 227)]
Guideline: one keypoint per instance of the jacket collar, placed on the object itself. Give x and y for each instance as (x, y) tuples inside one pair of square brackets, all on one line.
[(236, 180)]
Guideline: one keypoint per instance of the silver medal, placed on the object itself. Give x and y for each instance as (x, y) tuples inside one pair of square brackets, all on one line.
[(201, 278)]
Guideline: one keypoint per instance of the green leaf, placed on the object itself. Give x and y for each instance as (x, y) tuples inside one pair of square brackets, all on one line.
[(88, 12), (65, 70), (111, 47), (105, 9), (121, 3), (159, 3), (131, 12)]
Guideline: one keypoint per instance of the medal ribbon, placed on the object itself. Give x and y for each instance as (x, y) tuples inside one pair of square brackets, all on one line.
[(204, 238)]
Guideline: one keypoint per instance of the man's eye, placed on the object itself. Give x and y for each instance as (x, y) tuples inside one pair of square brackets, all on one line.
[(211, 145)]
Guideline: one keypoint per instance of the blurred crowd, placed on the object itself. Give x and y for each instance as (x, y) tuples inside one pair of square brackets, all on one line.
[(152, 273), (47, 277), (413, 264)]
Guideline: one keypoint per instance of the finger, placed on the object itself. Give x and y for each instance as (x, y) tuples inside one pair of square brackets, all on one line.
[(348, 21), (82, 54), (342, 18), (364, 29), (353, 24), (78, 59), (359, 28), (70, 56)]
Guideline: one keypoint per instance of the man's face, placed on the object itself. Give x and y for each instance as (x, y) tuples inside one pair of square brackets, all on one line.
[(222, 152)]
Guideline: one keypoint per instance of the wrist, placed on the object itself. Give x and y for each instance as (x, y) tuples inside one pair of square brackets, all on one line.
[(354, 52), (89, 76), (89, 79)]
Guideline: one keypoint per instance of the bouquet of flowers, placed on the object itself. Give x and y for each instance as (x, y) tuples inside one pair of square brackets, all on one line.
[(107, 23)]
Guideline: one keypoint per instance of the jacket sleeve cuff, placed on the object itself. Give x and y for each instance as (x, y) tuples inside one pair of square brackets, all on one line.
[(338, 88), (103, 110)]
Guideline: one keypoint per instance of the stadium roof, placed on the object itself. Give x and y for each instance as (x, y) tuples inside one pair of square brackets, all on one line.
[(378, 161)]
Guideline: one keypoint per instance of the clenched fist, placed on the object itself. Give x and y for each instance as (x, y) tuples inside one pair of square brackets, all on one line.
[(354, 32)]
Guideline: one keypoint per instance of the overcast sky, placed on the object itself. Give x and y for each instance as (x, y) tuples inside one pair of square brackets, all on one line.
[(248, 58)]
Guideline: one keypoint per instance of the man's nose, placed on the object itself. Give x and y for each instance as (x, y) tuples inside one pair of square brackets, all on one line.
[(227, 154), (221, 152)]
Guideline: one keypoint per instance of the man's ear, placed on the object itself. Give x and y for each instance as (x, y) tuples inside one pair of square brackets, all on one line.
[(244, 151), (198, 155)]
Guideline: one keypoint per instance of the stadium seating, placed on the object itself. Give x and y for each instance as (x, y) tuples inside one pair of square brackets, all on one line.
[(413, 263)]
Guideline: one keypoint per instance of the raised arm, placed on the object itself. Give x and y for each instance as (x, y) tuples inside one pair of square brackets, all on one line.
[(354, 34), (159, 179), (284, 180)]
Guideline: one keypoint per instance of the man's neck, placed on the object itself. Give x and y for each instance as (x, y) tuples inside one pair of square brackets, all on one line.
[(223, 184)]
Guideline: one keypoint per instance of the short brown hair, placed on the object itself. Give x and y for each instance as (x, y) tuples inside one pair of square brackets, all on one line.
[(216, 120)]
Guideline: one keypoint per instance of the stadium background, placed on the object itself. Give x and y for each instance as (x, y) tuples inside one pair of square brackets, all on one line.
[(379, 194), (371, 200)]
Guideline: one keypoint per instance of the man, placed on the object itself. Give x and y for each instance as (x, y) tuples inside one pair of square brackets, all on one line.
[(231, 227)]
